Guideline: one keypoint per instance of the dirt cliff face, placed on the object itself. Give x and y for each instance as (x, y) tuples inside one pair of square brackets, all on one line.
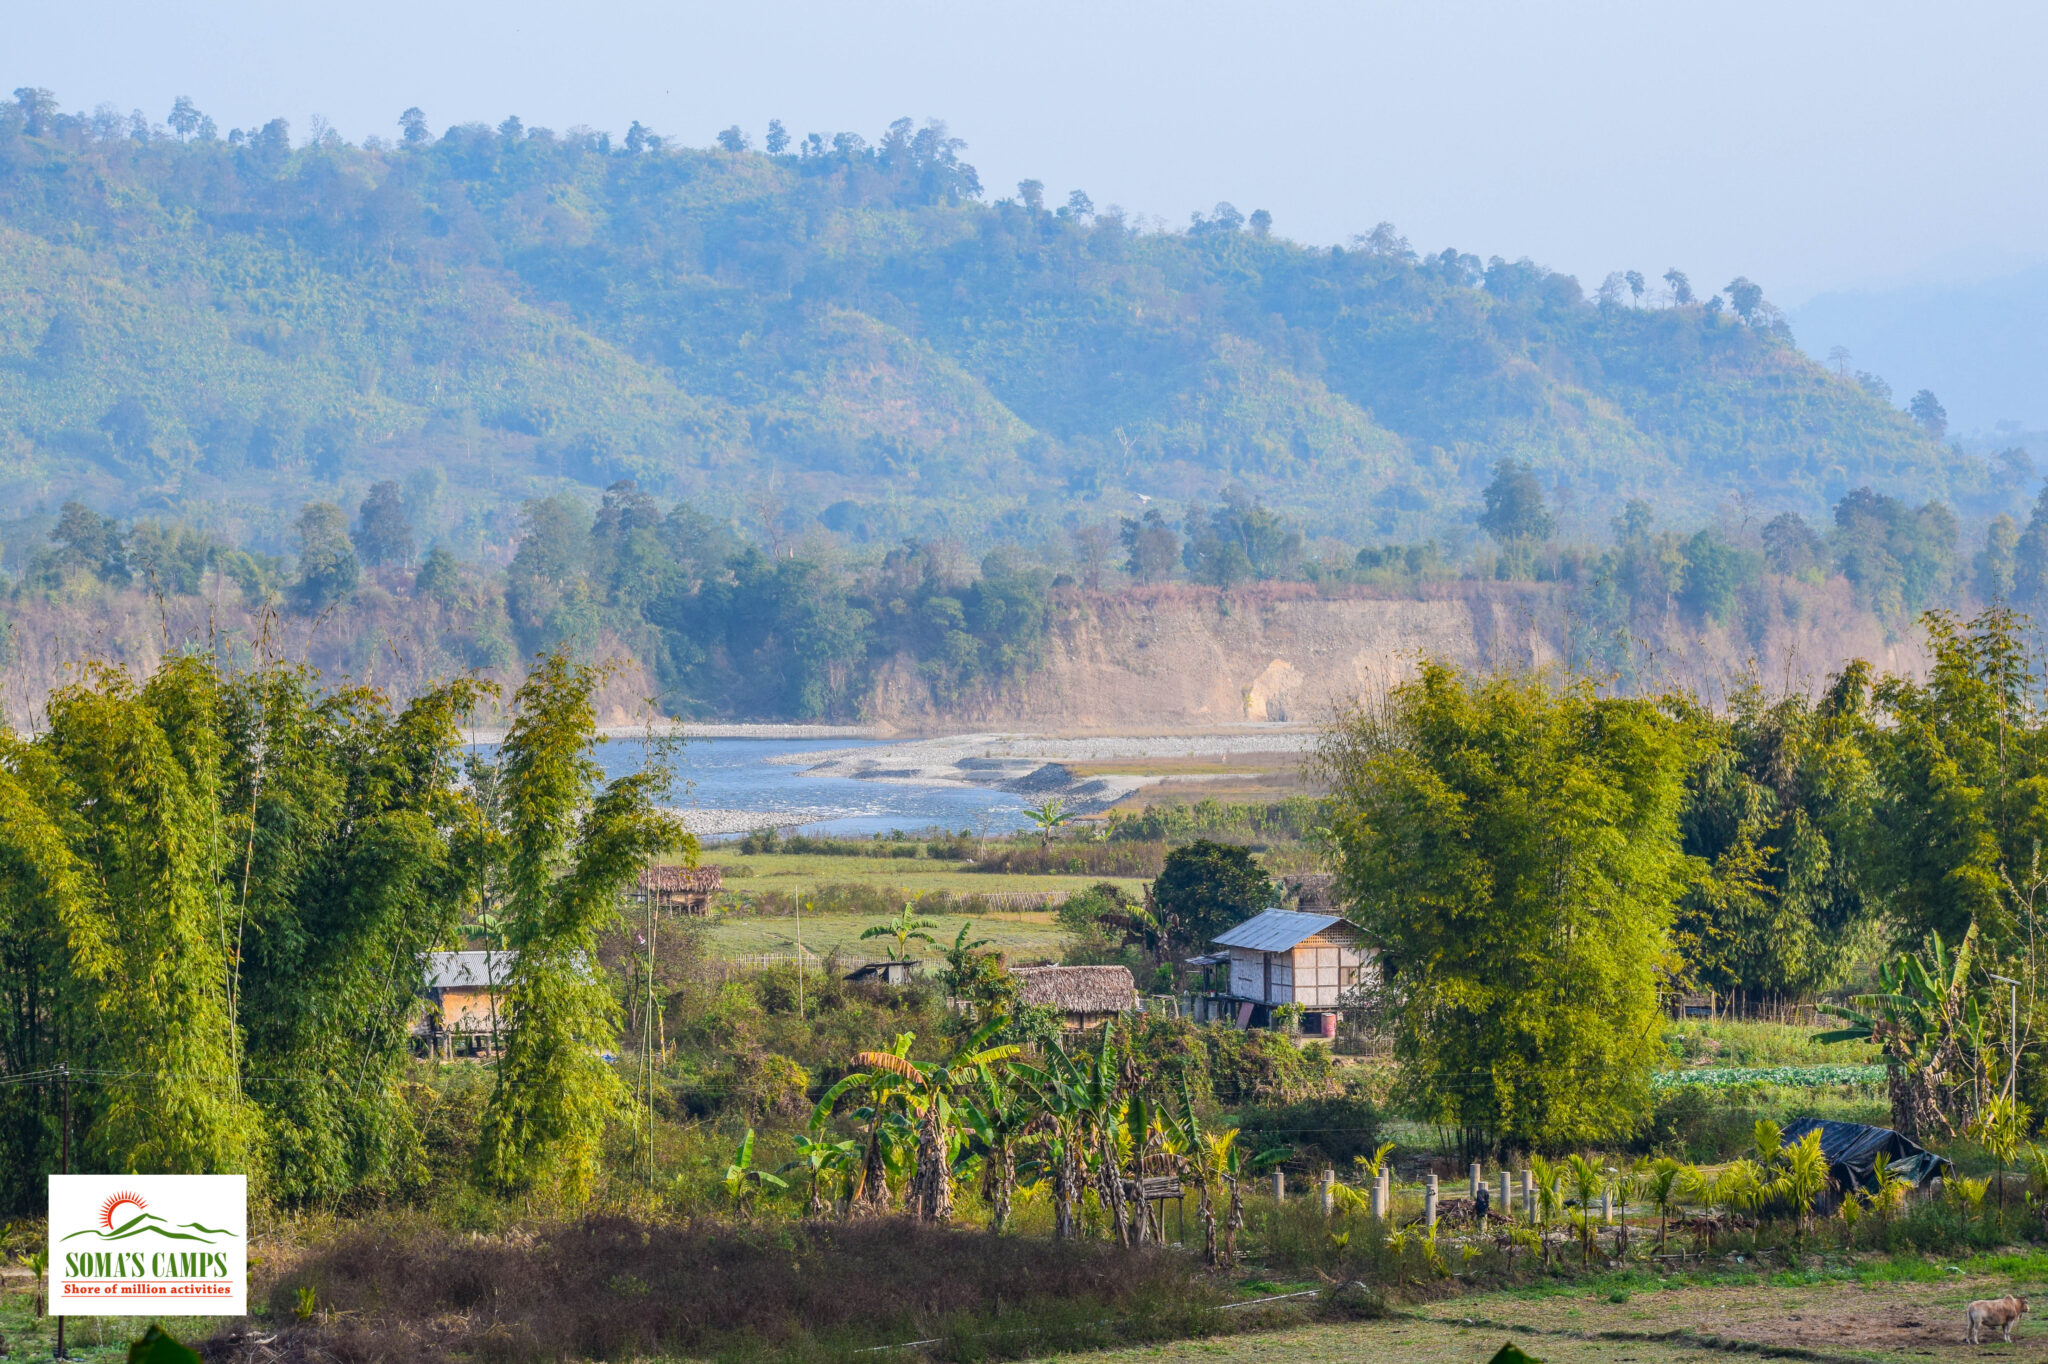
[(1176, 656)]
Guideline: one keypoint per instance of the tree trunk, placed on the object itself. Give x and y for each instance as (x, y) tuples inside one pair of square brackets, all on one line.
[(1109, 1187), (931, 1187), (1233, 1224), (1002, 1183), (1206, 1210), (871, 1194), (1066, 1193)]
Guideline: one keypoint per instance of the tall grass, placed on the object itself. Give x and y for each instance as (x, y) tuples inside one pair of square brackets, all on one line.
[(616, 1287)]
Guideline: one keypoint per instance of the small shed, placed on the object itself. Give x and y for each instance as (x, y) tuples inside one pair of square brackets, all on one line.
[(1088, 995), (678, 890), (887, 972), (1287, 957), (461, 1013)]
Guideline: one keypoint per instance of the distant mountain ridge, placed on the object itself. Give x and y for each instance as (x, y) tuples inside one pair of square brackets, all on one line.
[(839, 335)]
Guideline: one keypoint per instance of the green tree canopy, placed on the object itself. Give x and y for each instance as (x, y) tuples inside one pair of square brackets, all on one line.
[(1511, 847), (1205, 887)]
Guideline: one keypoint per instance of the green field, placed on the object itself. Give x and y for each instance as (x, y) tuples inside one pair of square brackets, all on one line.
[(803, 873), (1025, 938)]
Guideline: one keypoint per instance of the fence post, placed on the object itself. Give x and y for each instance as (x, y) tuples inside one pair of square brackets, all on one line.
[(1329, 1192), (1473, 1193), (1607, 1205), (1429, 1204), (1379, 1196), (1279, 1185), (1529, 1196), (1506, 1201)]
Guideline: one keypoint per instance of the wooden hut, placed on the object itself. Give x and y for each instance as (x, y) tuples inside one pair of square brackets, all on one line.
[(678, 890), (1089, 996)]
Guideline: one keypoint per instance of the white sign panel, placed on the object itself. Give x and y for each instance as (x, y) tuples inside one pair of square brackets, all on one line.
[(149, 1245)]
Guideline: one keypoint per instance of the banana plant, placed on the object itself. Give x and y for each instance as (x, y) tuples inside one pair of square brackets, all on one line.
[(744, 1180), (926, 1090), (1930, 1027), (824, 1161), (883, 1126), (905, 928), (998, 1115)]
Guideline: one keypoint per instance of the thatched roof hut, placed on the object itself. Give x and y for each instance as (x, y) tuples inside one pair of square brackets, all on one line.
[(1088, 995), (682, 890)]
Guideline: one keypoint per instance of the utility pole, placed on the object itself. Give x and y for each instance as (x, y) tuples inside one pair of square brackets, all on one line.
[(2012, 1073)]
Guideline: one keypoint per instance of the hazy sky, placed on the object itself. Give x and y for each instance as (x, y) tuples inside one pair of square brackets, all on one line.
[(1811, 146)]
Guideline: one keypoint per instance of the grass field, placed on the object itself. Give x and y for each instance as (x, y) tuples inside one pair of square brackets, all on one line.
[(1026, 938), (1880, 1311), (801, 873)]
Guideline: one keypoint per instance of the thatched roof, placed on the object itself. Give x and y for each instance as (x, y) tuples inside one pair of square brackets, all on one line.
[(701, 880), (1078, 989)]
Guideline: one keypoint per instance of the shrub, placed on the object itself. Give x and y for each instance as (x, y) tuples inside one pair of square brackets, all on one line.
[(1323, 1133)]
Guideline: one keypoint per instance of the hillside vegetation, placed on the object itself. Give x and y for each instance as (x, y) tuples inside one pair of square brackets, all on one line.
[(835, 334)]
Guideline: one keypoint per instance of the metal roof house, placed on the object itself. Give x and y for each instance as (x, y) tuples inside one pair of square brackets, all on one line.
[(1287, 957), (461, 1013)]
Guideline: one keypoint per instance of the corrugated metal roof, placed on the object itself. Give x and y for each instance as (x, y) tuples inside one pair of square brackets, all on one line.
[(1277, 930), (466, 970)]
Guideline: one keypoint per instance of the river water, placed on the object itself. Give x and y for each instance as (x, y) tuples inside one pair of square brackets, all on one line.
[(728, 785)]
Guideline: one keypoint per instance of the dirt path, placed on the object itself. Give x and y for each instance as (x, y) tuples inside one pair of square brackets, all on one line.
[(1838, 1322)]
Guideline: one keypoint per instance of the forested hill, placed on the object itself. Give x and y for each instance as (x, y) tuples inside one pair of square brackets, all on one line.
[(220, 328)]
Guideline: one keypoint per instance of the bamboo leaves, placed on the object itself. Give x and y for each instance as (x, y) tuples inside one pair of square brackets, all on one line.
[(569, 854)]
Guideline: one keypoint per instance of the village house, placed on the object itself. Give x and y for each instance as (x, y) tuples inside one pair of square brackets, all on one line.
[(461, 1018), (1089, 996), (1284, 957), (678, 890)]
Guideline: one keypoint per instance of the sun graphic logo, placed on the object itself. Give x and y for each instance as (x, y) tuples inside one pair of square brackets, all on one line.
[(111, 1215)]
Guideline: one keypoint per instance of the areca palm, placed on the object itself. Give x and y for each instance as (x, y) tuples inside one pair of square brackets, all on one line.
[(1586, 1179), (1664, 1183), (1802, 1175)]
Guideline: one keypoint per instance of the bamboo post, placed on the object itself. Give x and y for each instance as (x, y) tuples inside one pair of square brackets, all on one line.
[(1429, 1204)]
